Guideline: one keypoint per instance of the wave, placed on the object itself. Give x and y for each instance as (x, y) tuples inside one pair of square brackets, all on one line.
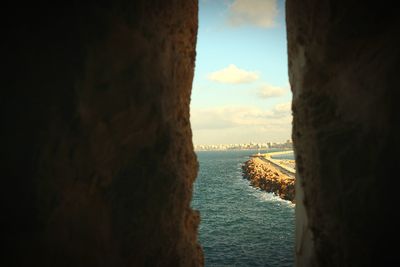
[(270, 197), (263, 196)]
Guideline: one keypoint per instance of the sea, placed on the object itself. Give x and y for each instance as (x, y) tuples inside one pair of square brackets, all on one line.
[(240, 225)]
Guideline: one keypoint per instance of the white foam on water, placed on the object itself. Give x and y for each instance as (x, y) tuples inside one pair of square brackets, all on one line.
[(263, 195), (270, 197)]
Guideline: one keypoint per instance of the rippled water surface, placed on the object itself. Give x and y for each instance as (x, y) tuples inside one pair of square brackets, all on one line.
[(240, 225)]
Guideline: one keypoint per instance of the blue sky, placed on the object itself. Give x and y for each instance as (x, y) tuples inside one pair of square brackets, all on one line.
[(241, 91)]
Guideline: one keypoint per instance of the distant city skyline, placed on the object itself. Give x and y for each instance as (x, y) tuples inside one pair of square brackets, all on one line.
[(240, 89), (288, 144)]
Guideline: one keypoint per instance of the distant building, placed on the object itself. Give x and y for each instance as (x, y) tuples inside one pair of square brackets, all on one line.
[(287, 145)]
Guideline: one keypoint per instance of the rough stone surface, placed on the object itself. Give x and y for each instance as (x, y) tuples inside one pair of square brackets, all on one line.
[(344, 60), (99, 162), (267, 177)]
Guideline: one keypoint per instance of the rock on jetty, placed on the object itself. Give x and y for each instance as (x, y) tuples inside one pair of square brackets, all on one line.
[(265, 176)]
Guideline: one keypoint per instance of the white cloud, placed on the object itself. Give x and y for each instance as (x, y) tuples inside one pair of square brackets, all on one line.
[(261, 13), (241, 117), (283, 107), (224, 125), (214, 118), (268, 91), (232, 74)]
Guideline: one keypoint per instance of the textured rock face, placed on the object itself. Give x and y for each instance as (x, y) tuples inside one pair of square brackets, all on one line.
[(266, 177), (96, 133), (343, 63)]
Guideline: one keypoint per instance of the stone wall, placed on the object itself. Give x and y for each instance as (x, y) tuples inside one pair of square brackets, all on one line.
[(344, 60), (264, 175), (96, 137), (96, 145)]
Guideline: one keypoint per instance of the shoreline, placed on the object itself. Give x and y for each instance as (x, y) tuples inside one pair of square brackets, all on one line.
[(264, 175)]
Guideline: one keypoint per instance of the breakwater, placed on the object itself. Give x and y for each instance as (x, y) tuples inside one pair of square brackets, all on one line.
[(264, 175)]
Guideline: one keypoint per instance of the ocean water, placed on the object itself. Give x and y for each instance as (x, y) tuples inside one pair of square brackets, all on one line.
[(240, 225)]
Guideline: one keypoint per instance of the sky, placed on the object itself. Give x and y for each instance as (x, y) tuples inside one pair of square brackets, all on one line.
[(241, 92)]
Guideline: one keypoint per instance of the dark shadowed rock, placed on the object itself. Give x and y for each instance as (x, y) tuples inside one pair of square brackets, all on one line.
[(96, 133)]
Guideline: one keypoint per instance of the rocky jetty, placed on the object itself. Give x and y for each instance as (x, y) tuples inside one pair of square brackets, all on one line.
[(265, 176)]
